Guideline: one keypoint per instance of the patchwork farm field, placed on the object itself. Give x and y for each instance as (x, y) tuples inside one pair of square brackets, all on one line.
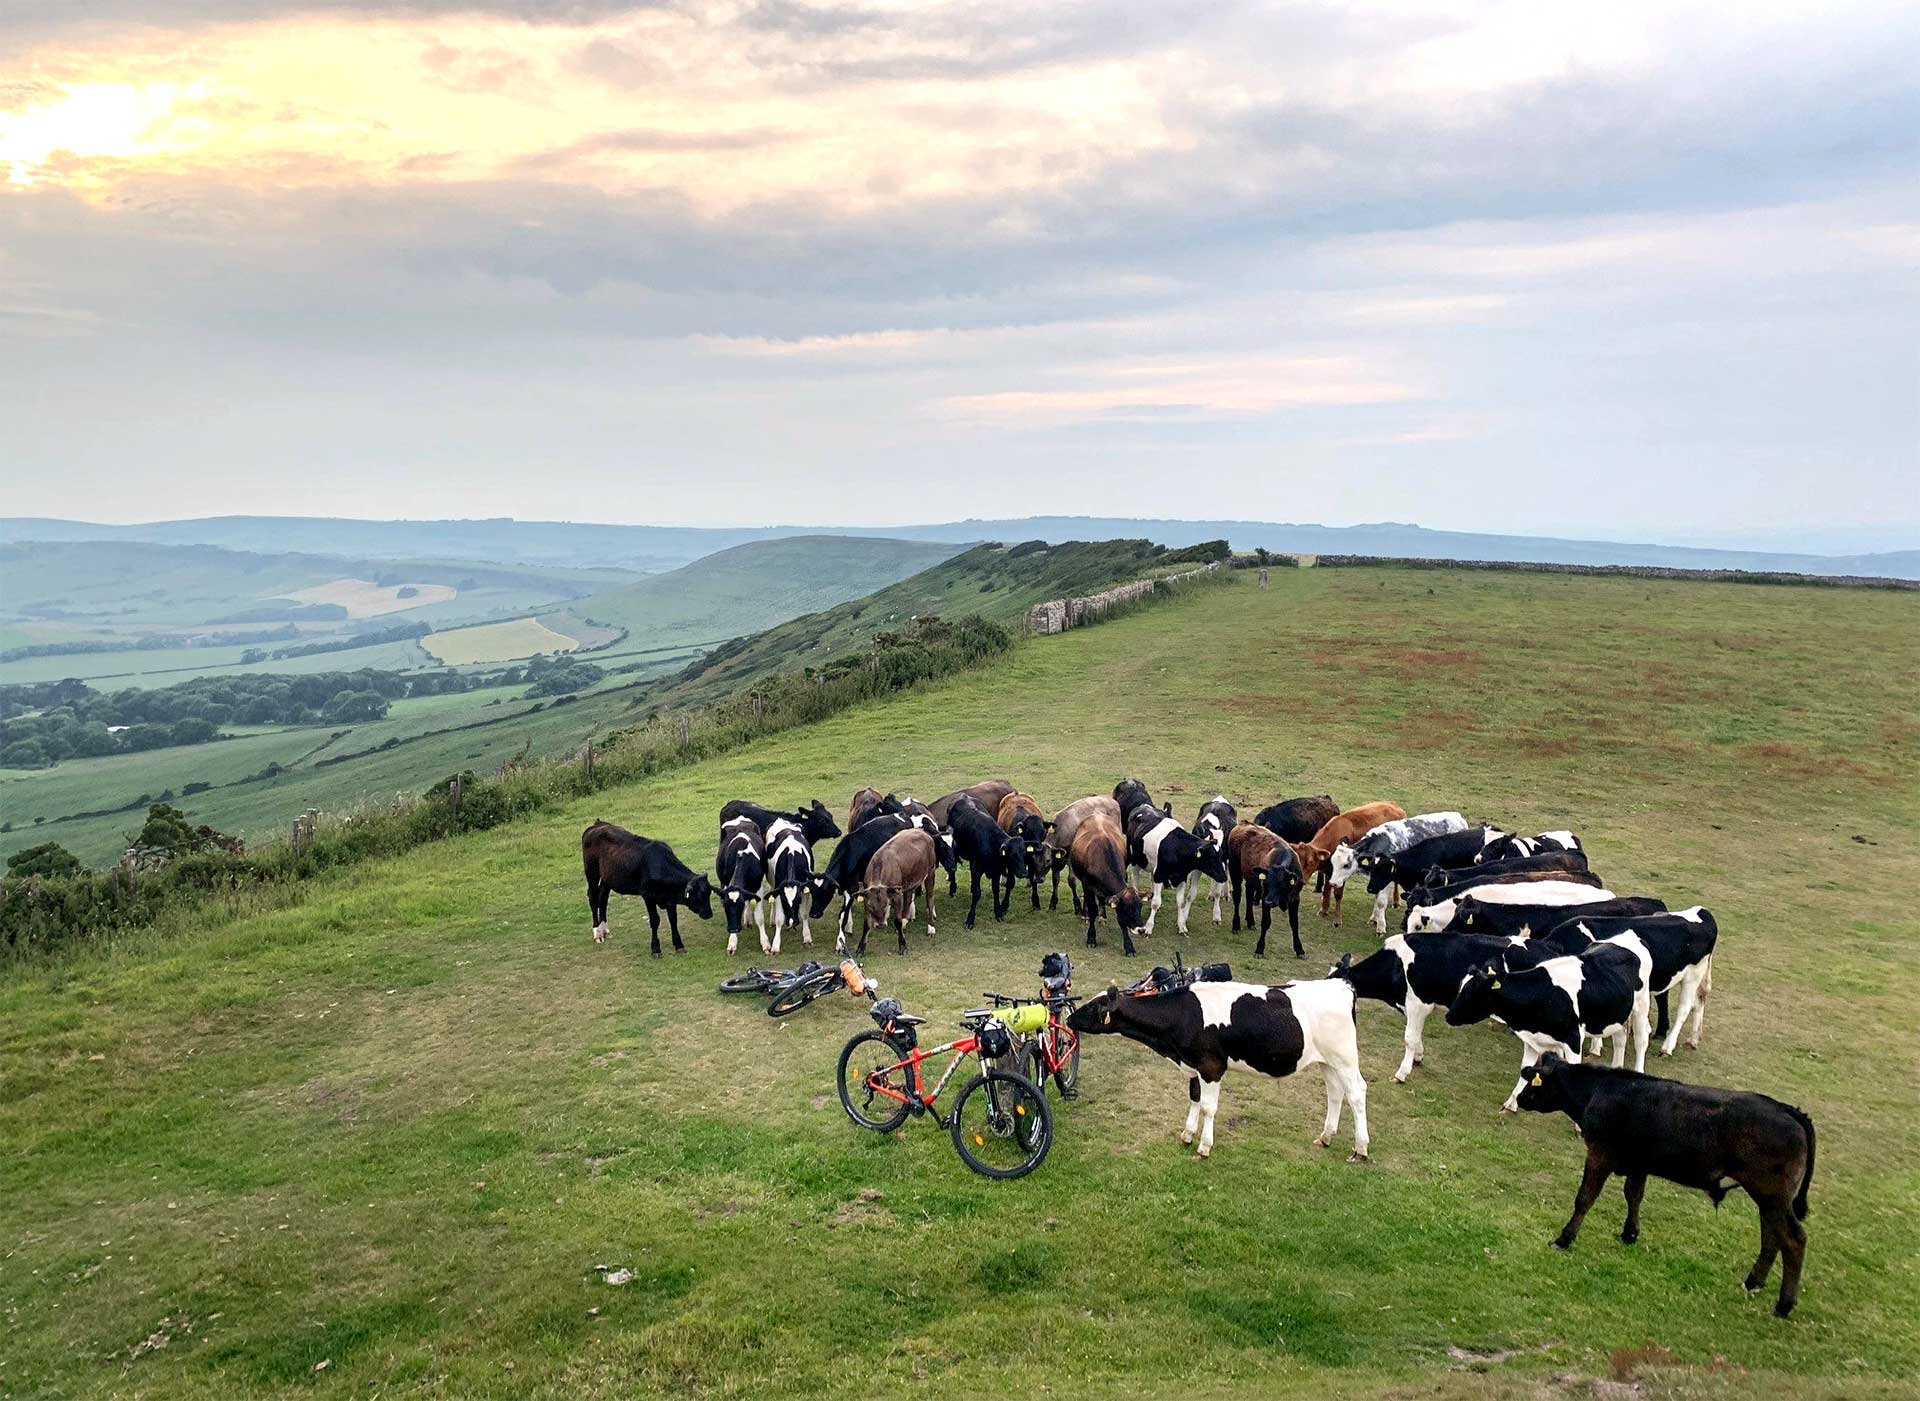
[(378, 1143), (496, 642)]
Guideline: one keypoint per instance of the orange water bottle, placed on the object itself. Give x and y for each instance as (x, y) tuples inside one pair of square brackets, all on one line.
[(856, 980)]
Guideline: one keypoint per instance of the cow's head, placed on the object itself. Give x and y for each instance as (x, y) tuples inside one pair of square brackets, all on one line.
[(943, 850), (1099, 1016), (1280, 883), (1127, 909), (1477, 998), (698, 897), (1545, 1088), (1013, 856), (1212, 861), (890, 805), (1343, 864), (733, 900), (1310, 857), (1429, 919), (824, 888), (816, 823)]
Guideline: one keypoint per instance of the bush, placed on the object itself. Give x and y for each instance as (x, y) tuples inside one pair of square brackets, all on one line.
[(47, 859), (24, 754)]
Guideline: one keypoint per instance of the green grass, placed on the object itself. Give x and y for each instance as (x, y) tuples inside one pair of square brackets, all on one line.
[(393, 1129), (496, 642)]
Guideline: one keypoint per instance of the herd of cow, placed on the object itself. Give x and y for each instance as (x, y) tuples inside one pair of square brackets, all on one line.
[(1498, 926)]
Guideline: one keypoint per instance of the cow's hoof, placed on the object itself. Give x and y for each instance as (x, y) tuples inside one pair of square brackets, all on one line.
[(1563, 1241), (1186, 1138), (1509, 1108), (1325, 1140), (1629, 1237), (1400, 1079), (1356, 1156), (656, 953), (1782, 1309), (1752, 1285), (1693, 1045), (1204, 1153)]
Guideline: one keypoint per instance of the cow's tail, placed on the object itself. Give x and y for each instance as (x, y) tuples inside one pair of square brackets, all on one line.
[(1800, 1201)]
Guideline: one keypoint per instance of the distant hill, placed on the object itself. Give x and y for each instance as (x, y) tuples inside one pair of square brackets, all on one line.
[(659, 548), (750, 587)]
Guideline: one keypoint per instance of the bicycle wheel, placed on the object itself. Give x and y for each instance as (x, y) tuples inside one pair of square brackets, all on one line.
[(873, 1054), (1001, 1125), (753, 980), (803, 992), (1066, 1046)]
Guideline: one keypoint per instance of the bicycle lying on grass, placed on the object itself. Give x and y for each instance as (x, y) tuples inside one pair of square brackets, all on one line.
[(790, 991), (1001, 1125)]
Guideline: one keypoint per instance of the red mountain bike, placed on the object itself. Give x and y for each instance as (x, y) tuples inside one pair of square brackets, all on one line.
[(1051, 1051), (1001, 1124)]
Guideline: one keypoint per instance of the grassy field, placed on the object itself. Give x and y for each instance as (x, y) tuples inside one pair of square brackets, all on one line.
[(380, 1142), (495, 642)]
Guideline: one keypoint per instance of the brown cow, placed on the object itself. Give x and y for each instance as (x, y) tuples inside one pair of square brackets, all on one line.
[(1020, 816), (989, 793), (1098, 857), (898, 872), (865, 803), (1348, 827), (1066, 824)]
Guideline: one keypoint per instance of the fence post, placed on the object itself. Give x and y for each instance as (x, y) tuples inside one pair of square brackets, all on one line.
[(589, 759), (456, 792), (682, 728)]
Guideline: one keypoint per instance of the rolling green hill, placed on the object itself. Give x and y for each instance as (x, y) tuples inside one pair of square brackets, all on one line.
[(748, 588), (385, 1140)]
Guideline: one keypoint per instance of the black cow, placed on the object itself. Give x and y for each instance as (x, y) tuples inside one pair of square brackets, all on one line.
[(1205, 1028), (849, 864), (816, 824), (741, 868), (989, 850), (1414, 867), (1279, 887), (1557, 1005), (1520, 921), (1680, 946), (1418, 973), (618, 862), (1510, 846), (1297, 820), (1130, 793), (1699, 1136)]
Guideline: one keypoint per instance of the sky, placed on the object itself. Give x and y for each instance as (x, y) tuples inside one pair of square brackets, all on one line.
[(1636, 270)]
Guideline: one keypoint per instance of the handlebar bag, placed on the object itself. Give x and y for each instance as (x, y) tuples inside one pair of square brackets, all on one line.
[(994, 1040)]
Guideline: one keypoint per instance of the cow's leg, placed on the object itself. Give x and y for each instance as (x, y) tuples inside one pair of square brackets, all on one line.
[(1339, 898), (900, 907), (1336, 1097), (1188, 895), (1053, 900), (1417, 1014), (1033, 887), (1233, 880), (1636, 1189), (866, 923), (929, 888), (1357, 1099), (653, 922), (1771, 1218), (1640, 1029), (596, 911), (779, 917), (1153, 908), (1660, 1031), (673, 926), (1380, 908), (1209, 1106), (975, 905), (1345, 1083), (1092, 942), (1266, 922), (1293, 922), (1193, 1110), (1700, 991), (1619, 1039), (1592, 1179), (1793, 1246)]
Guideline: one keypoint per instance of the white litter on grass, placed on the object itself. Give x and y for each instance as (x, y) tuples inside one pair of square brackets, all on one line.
[(610, 1274)]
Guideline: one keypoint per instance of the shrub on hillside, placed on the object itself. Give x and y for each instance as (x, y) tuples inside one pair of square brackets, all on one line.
[(47, 859)]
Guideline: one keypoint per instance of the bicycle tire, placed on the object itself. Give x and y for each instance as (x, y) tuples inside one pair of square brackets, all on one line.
[(897, 1114), (753, 980), (1031, 1131), (805, 991)]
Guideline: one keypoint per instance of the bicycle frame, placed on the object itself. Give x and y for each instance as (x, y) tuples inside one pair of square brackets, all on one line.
[(962, 1048)]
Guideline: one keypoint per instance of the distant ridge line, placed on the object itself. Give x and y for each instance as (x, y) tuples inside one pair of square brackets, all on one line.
[(1636, 571)]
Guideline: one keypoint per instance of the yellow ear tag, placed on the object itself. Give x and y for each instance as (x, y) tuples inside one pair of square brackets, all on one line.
[(1536, 1082)]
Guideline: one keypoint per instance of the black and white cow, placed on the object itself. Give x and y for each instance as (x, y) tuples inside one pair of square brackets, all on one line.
[(1173, 856), (790, 878), (1558, 1004), (1216, 819), (1434, 915), (989, 850), (1699, 1136), (815, 822), (741, 868), (1417, 974), (1510, 846), (1377, 846), (618, 862), (1209, 1027), (1476, 916), (1130, 793), (1442, 883), (1681, 947)]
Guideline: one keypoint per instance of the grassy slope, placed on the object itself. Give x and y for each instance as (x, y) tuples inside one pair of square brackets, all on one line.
[(752, 587), (394, 1129), (984, 580)]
